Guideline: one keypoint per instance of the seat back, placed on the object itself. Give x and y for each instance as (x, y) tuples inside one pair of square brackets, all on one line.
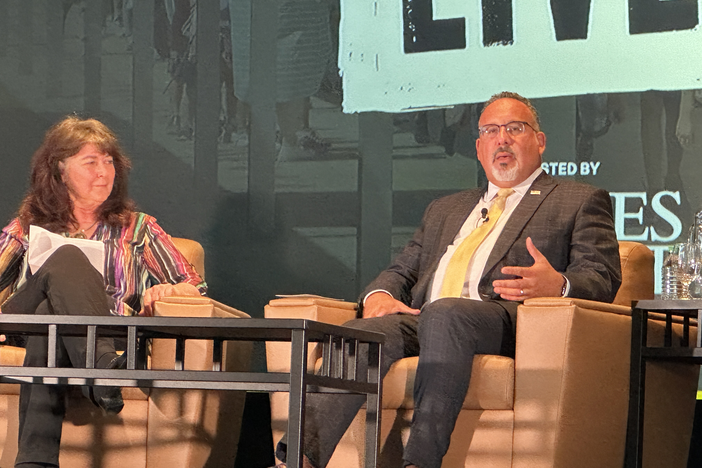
[(637, 273), (193, 252)]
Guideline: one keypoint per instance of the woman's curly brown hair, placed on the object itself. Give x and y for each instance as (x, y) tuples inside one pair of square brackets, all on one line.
[(47, 202)]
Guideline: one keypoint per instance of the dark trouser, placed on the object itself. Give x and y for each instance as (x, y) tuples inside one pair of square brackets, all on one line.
[(448, 332), (67, 284)]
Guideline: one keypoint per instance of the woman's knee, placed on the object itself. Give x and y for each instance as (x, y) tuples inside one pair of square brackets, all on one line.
[(67, 254), (69, 259)]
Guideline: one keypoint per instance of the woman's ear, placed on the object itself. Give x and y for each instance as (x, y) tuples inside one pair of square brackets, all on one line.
[(62, 169)]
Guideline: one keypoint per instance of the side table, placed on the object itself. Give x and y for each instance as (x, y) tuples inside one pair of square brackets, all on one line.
[(680, 311)]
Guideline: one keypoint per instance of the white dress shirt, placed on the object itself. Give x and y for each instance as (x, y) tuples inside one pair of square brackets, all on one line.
[(481, 254)]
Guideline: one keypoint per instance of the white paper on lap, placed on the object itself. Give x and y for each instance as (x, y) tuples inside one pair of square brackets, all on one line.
[(43, 243)]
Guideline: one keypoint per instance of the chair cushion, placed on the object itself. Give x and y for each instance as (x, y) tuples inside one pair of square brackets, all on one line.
[(491, 384), (193, 252)]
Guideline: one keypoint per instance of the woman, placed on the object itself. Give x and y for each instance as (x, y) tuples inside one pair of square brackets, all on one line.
[(78, 188)]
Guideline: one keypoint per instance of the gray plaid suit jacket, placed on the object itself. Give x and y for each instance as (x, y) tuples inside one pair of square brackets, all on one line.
[(569, 222)]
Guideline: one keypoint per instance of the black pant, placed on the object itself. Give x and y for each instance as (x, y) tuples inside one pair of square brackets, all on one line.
[(445, 336), (67, 284)]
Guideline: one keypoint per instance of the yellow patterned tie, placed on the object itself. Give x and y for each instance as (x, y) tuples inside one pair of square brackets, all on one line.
[(455, 276)]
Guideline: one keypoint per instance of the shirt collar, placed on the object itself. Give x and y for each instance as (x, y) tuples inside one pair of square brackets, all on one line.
[(519, 189)]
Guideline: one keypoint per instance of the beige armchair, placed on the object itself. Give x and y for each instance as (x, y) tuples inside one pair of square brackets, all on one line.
[(561, 403), (158, 428)]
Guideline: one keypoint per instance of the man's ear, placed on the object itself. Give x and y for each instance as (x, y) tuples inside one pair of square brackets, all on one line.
[(541, 138)]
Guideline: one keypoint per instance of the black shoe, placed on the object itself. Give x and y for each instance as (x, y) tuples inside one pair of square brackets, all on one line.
[(108, 398), (118, 362)]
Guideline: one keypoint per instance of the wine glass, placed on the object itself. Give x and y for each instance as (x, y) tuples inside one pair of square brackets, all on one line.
[(689, 260)]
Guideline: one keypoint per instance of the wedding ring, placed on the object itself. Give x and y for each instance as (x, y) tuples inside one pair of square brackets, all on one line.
[(521, 292)]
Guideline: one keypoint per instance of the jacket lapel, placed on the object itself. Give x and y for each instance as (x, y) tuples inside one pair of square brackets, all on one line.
[(448, 230), (535, 195), (457, 217)]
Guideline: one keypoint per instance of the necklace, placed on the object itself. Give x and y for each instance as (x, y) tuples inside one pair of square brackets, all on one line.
[(81, 234)]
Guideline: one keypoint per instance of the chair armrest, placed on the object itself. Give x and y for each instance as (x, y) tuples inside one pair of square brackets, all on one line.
[(11, 355), (194, 306), (582, 303), (572, 368), (195, 428), (198, 352), (320, 309), (572, 376)]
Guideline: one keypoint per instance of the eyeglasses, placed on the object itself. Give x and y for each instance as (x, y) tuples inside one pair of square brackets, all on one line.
[(514, 129)]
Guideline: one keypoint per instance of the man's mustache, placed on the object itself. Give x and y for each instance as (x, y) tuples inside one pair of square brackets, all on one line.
[(502, 149)]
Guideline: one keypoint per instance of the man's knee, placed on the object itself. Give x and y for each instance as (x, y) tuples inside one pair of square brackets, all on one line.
[(454, 313), (459, 307), (362, 324), (400, 332), (399, 324), (354, 323), (376, 325), (444, 310), (446, 305)]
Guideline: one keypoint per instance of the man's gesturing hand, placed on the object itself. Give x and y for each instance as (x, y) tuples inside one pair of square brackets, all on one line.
[(381, 303), (538, 280)]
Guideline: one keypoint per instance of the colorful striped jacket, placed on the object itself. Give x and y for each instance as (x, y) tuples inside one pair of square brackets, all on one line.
[(137, 257)]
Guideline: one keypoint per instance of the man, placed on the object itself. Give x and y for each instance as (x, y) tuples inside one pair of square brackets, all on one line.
[(454, 290)]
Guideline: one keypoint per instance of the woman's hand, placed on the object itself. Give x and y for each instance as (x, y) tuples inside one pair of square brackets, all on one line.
[(160, 291)]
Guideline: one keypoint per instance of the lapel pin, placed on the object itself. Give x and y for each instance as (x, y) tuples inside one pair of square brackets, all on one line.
[(535, 192)]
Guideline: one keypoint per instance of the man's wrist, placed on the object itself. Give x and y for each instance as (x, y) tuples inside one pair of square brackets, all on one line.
[(565, 290), (373, 292)]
